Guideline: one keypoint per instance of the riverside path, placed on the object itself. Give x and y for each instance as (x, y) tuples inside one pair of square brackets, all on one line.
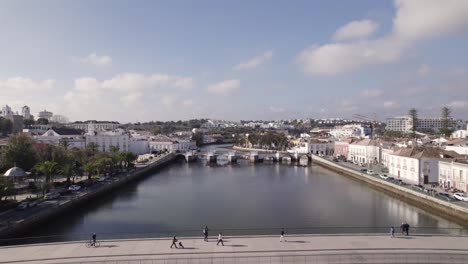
[(371, 248)]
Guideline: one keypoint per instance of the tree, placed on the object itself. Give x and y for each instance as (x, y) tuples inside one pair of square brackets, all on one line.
[(413, 113), (198, 137), (48, 169), (6, 126), (42, 121), (92, 148), (114, 149), (20, 152), (68, 170), (6, 187), (446, 112), (28, 122)]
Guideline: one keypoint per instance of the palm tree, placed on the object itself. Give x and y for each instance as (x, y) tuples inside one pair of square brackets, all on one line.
[(89, 168), (47, 168), (68, 170), (114, 149)]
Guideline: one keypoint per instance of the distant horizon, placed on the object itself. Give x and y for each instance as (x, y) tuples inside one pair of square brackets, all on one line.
[(178, 60)]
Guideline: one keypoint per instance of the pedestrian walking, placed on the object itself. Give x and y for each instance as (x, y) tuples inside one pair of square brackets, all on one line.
[(205, 233), (174, 241), (407, 226), (392, 231), (220, 239), (282, 239)]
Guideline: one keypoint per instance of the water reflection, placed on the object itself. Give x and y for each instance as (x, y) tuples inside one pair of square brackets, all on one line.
[(243, 199)]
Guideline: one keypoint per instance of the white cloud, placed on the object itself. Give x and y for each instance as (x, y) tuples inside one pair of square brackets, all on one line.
[(459, 71), (371, 93), (391, 105), (276, 109), (356, 30), (424, 70), (457, 104), (224, 87), (97, 60), (414, 21), (255, 61), (22, 85)]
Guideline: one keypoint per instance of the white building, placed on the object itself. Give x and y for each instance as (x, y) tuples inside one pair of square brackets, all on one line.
[(354, 130), (139, 146), (460, 146), (416, 165), (459, 134), (45, 114), (453, 174), (405, 124), (366, 151), (36, 130), (26, 112), (95, 125), (71, 138), (105, 139), (162, 143), (314, 147), (6, 111)]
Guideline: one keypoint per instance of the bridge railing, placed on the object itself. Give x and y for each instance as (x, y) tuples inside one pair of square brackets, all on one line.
[(234, 232), (342, 258)]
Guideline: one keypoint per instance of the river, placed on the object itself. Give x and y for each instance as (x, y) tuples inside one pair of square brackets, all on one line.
[(241, 199)]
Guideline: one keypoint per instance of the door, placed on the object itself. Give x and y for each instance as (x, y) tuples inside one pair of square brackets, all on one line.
[(426, 179)]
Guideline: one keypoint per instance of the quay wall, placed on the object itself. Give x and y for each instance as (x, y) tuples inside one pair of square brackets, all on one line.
[(432, 204), (258, 150), (22, 226)]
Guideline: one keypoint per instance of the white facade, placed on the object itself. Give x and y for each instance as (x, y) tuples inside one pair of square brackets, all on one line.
[(71, 140), (460, 134), (6, 111), (414, 168), (105, 139), (346, 131), (366, 151), (139, 146), (324, 148), (405, 124), (171, 145), (45, 114), (95, 126), (453, 174), (26, 112)]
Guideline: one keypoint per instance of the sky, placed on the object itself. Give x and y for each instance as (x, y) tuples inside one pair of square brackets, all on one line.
[(137, 61)]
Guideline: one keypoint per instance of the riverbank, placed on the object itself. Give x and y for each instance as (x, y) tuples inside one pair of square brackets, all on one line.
[(445, 209), (50, 209)]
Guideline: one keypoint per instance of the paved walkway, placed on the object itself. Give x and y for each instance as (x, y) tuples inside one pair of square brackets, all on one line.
[(267, 247)]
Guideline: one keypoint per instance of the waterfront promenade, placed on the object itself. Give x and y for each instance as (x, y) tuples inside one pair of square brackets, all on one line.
[(374, 248)]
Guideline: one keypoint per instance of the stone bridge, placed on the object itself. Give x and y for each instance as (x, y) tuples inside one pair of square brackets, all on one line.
[(252, 156)]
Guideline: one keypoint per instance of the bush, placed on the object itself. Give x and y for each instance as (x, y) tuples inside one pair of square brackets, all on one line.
[(32, 186)]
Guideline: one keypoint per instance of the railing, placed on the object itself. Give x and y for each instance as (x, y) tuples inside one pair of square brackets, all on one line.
[(332, 230), (351, 258)]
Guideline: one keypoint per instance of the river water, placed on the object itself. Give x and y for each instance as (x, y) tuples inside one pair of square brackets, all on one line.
[(241, 199)]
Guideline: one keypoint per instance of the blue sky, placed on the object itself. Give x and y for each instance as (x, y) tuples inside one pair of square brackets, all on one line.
[(164, 60)]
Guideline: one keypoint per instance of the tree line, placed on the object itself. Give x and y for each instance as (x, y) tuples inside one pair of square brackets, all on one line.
[(48, 161), (268, 140)]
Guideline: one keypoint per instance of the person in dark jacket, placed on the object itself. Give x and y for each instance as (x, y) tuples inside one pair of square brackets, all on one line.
[(174, 241), (205, 233)]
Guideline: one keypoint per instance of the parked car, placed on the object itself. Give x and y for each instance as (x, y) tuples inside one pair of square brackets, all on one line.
[(370, 172), (23, 206), (460, 196), (364, 170), (74, 188), (390, 179), (383, 176), (103, 178), (445, 197), (400, 182), (418, 187), (52, 196), (33, 203)]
